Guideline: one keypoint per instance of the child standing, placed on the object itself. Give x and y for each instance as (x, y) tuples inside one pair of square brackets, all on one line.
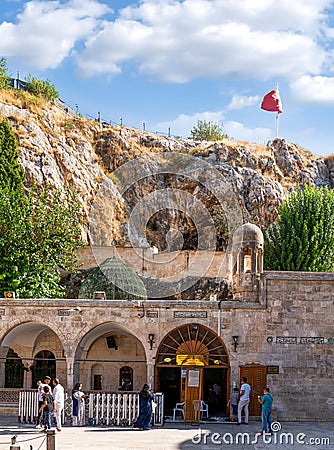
[(233, 404), (47, 408)]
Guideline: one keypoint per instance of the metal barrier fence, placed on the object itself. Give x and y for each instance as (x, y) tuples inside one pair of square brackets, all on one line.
[(102, 408), (28, 406), (120, 409)]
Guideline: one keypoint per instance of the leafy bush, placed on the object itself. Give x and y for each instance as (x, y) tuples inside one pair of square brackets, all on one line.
[(303, 237), (208, 131), (43, 88), (11, 173), (5, 81), (38, 235), (39, 232)]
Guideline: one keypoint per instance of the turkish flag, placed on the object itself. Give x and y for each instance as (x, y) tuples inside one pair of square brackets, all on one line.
[(272, 102)]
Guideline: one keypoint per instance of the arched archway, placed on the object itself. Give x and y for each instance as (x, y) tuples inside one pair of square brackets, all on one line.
[(14, 370), (37, 345), (111, 347), (44, 365), (193, 356)]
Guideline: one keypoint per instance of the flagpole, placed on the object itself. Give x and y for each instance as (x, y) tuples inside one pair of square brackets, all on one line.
[(276, 87)]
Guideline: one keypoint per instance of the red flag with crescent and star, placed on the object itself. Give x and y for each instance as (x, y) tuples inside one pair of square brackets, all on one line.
[(272, 102)]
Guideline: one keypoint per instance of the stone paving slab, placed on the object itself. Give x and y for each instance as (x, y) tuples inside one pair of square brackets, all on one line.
[(291, 436)]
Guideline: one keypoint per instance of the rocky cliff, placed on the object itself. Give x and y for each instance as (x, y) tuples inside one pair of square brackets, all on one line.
[(68, 151)]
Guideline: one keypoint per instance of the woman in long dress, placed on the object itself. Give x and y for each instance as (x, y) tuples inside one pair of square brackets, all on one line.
[(78, 398), (145, 409)]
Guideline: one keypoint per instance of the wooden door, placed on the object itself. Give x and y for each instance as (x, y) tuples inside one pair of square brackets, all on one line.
[(257, 378), (193, 394)]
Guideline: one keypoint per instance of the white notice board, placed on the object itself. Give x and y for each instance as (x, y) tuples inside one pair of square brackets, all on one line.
[(193, 378)]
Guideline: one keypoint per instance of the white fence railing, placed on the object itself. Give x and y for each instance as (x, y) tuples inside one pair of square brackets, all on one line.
[(102, 408)]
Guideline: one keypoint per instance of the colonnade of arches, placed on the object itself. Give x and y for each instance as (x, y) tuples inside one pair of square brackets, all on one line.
[(111, 358)]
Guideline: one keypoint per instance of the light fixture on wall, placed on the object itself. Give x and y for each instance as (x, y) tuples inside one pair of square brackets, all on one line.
[(151, 340), (235, 342), (9, 294)]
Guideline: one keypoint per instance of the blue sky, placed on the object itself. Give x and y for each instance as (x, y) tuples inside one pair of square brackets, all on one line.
[(169, 63)]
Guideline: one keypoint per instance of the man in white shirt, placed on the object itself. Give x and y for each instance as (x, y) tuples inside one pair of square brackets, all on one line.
[(58, 396), (244, 400)]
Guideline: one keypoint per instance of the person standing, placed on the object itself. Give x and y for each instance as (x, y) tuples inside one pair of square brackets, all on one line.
[(39, 421), (47, 408), (145, 409), (58, 396), (233, 404), (212, 400), (267, 404), (78, 414), (47, 381), (244, 399)]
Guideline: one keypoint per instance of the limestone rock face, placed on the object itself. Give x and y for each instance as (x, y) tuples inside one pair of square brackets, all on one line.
[(65, 151)]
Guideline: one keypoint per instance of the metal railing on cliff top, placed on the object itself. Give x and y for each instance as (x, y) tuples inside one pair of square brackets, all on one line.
[(16, 83)]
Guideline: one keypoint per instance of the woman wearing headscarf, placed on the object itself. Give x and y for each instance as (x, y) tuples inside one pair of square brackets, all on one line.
[(145, 409), (78, 398)]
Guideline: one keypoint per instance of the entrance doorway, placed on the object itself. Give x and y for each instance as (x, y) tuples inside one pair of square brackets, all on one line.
[(192, 366), (44, 365), (14, 370), (257, 378)]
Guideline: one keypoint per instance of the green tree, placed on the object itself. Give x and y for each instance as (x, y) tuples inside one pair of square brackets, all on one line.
[(208, 131), (11, 173), (303, 237), (43, 88), (38, 235), (5, 81)]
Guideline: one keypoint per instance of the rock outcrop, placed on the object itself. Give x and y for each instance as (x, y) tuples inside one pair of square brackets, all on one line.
[(65, 151)]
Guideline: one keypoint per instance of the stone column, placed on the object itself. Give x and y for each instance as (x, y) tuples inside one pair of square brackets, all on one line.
[(150, 370), (27, 376), (70, 372)]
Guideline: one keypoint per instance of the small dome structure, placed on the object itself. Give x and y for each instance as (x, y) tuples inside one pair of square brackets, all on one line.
[(248, 232), (116, 279)]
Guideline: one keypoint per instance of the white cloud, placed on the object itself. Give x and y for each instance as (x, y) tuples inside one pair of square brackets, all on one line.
[(183, 124), (319, 90), (242, 101), (239, 132), (46, 31), (174, 40), (178, 41)]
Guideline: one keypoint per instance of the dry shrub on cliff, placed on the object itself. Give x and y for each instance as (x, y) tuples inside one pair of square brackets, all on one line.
[(24, 100)]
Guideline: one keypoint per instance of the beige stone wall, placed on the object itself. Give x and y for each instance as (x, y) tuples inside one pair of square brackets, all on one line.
[(144, 262), (294, 305)]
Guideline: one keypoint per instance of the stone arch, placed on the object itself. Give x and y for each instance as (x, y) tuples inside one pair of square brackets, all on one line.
[(27, 339), (194, 341), (192, 347), (112, 346)]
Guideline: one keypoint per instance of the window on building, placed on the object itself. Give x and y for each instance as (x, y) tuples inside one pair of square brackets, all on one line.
[(126, 378), (248, 260), (97, 382)]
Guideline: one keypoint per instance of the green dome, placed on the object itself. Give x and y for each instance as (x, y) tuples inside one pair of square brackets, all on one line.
[(116, 279)]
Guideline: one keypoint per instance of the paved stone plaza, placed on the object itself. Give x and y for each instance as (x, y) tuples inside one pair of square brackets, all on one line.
[(292, 436)]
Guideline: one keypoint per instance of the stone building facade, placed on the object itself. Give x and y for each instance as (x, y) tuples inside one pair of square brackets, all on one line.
[(277, 330)]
